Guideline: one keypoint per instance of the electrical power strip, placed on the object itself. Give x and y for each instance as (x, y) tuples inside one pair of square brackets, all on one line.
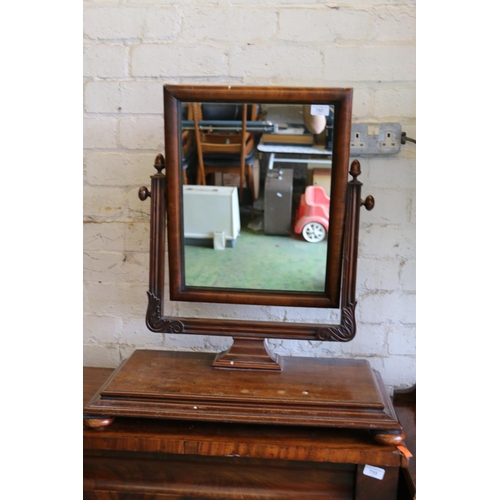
[(375, 139)]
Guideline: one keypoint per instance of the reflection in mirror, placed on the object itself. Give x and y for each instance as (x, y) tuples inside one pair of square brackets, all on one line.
[(256, 145), (256, 195)]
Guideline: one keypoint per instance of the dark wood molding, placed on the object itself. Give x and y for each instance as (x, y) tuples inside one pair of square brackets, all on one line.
[(343, 332), (248, 354), (290, 391), (341, 100), (153, 457), (342, 236), (307, 392), (158, 323)]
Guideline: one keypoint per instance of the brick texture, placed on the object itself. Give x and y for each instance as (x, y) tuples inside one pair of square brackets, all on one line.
[(132, 47)]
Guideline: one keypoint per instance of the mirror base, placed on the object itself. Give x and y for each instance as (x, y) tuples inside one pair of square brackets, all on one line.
[(317, 392), (247, 354)]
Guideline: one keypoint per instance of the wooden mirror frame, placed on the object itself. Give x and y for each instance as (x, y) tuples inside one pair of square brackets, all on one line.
[(320, 392), (166, 197)]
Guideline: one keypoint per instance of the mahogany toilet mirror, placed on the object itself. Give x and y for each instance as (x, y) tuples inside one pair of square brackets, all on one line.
[(247, 383)]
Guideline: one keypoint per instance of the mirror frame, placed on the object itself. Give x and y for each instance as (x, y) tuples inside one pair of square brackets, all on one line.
[(341, 99), (166, 196)]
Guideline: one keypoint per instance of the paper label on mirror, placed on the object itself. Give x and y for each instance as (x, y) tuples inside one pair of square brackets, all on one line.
[(375, 472), (320, 109)]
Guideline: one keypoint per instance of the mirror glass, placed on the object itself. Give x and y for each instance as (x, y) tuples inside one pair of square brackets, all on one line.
[(256, 182), (265, 233)]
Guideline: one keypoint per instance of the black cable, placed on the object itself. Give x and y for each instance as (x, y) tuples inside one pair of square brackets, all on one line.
[(405, 139)]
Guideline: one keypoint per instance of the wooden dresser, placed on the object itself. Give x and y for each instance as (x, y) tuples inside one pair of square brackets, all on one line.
[(167, 459)]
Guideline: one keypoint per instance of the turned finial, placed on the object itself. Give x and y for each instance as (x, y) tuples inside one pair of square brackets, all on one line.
[(159, 163), (355, 169)]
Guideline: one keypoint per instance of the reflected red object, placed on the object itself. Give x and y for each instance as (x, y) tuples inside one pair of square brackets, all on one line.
[(313, 214)]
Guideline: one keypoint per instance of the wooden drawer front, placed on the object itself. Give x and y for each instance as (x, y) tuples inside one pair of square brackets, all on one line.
[(118, 476)]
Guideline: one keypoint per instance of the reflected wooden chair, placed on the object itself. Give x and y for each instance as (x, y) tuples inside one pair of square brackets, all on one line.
[(187, 138), (226, 152)]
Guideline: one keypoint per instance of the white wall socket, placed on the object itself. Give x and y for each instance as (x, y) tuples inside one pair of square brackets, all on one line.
[(375, 139)]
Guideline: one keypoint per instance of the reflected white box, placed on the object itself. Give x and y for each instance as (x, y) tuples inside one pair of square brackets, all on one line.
[(219, 240), (209, 210)]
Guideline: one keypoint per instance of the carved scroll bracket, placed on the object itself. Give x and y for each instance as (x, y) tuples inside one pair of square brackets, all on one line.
[(158, 323), (345, 331)]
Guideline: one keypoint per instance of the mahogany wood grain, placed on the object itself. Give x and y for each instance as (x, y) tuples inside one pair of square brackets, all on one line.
[(223, 478), (324, 392), (405, 406), (341, 99), (247, 353), (93, 379), (156, 322), (242, 440), (368, 488), (150, 458)]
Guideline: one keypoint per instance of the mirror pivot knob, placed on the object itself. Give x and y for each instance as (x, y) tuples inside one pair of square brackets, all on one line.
[(144, 193), (369, 202)]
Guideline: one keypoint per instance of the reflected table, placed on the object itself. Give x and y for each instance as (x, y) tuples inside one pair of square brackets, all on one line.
[(321, 155)]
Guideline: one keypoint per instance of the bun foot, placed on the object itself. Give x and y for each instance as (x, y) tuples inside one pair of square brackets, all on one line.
[(389, 437), (97, 422)]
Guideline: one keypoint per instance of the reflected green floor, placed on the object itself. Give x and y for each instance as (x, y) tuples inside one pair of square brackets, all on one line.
[(259, 261)]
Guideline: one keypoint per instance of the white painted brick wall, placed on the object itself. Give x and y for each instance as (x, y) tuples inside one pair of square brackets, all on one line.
[(99, 132), (141, 132), (104, 204), (111, 23), (325, 26), (132, 47), (100, 329), (104, 60), (236, 25), (114, 267), (170, 60), (370, 63), (116, 169), (272, 61)]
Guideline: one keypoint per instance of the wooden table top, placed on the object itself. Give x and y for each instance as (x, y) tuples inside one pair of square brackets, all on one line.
[(243, 440)]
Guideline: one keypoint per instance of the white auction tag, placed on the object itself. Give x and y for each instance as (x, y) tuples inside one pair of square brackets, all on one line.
[(320, 109), (375, 472)]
